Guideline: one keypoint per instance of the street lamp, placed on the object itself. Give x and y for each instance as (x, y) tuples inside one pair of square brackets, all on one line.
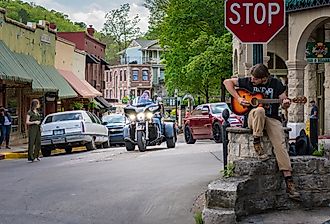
[(176, 104)]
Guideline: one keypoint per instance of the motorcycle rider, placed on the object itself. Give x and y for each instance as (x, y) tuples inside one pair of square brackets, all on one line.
[(146, 99)]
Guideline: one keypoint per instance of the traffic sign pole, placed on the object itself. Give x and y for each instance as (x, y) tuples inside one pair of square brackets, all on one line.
[(258, 54)]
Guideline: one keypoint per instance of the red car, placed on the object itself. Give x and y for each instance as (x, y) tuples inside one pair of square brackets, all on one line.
[(205, 122)]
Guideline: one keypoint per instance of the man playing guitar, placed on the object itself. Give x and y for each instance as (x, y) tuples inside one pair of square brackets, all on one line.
[(260, 118)]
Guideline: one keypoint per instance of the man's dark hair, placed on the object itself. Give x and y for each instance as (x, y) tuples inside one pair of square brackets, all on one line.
[(259, 71), (312, 101)]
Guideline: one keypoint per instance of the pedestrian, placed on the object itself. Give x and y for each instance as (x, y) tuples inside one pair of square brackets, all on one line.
[(5, 123), (314, 111), (260, 118), (33, 120)]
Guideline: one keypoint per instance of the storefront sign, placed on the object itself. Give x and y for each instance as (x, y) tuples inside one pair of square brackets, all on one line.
[(45, 38), (318, 52)]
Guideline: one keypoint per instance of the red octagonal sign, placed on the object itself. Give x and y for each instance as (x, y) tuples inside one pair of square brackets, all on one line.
[(254, 21)]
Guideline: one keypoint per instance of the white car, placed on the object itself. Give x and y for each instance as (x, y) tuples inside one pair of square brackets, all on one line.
[(72, 128)]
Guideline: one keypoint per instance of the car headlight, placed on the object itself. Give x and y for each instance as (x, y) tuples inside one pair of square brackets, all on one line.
[(149, 115), (132, 117), (140, 116)]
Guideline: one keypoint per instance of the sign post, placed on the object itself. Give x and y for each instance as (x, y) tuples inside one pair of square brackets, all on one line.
[(255, 22)]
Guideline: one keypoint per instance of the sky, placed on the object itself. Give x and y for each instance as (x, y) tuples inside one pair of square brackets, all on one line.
[(93, 12)]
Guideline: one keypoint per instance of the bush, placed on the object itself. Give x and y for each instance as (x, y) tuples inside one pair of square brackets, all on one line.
[(77, 106)]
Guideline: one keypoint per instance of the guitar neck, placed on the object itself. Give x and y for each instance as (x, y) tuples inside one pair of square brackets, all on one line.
[(269, 100)]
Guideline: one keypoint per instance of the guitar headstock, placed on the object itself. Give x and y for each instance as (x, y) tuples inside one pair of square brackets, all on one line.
[(299, 99)]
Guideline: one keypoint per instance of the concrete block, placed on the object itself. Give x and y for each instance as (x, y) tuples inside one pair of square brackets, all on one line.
[(217, 216)]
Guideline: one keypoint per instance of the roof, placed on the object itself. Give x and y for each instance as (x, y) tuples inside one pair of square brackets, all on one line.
[(41, 82), (10, 69), (91, 88), (65, 90), (146, 43), (45, 78), (103, 101), (82, 88), (296, 5)]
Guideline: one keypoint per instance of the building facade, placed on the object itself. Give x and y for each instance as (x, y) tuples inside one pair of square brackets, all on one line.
[(147, 53), (128, 80), (95, 64), (298, 55)]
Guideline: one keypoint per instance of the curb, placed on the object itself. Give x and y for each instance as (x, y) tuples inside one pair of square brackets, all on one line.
[(24, 154)]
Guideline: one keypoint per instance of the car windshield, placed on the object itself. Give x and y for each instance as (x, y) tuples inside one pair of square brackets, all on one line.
[(114, 119), (218, 108), (63, 117)]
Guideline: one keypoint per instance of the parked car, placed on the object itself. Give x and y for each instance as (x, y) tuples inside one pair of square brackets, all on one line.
[(72, 128), (115, 124), (205, 122)]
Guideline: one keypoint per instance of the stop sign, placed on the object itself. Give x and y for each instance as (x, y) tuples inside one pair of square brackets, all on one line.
[(254, 21)]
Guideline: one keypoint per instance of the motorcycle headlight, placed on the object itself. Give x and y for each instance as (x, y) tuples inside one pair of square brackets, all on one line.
[(132, 117), (149, 115), (140, 116)]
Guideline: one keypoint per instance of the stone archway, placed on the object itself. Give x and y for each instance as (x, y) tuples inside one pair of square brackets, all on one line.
[(300, 28)]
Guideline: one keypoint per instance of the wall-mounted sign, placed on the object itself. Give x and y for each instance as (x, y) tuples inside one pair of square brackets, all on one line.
[(318, 52), (45, 38)]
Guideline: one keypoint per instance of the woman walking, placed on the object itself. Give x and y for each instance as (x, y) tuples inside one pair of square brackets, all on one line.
[(33, 120)]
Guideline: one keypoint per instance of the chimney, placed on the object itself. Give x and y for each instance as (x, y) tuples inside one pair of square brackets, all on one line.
[(52, 26), (91, 30)]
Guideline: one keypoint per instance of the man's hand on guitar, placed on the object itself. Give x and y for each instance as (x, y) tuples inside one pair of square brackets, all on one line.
[(286, 103), (243, 102)]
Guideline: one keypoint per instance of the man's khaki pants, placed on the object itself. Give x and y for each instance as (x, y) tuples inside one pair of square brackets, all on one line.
[(258, 122)]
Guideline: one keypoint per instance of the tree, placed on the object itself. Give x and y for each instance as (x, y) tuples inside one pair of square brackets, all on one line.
[(120, 27), (157, 9), (198, 47)]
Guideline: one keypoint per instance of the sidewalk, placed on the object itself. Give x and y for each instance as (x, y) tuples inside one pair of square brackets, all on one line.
[(298, 216), (16, 152)]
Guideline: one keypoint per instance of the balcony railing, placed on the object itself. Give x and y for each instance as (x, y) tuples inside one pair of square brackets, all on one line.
[(139, 60)]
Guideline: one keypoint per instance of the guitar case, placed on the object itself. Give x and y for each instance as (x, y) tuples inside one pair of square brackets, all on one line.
[(303, 145)]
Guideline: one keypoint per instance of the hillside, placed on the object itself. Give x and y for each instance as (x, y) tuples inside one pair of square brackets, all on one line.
[(30, 12)]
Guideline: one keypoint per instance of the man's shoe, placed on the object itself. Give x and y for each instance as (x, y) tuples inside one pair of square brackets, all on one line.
[(260, 152), (291, 190), (7, 147)]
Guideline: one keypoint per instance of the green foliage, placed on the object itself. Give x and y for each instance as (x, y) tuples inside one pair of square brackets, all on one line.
[(319, 152), (229, 171), (91, 105), (198, 47), (77, 106), (125, 99), (120, 28), (198, 218), (30, 12)]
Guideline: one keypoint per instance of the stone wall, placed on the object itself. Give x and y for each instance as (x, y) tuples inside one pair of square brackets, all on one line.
[(259, 186), (240, 145)]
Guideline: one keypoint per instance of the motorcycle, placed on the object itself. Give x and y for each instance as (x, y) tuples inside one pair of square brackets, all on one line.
[(147, 128)]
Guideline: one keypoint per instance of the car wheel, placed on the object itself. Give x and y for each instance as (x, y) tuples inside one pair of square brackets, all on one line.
[(129, 146), (68, 149), (188, 136), (217, 132), (106, 144), (91, 145), (46, 151)]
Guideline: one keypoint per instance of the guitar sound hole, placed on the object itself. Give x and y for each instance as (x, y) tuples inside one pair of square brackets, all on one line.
[(254, 102)]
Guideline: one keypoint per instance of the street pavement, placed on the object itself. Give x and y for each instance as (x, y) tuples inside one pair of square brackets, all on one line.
[(109, 186)]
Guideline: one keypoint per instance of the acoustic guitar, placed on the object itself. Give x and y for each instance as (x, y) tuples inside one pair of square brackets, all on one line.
[(257, 100)]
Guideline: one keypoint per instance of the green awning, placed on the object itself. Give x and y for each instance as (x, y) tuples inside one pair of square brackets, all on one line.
[(41, 82), (10, 69), (65, 90), (98, 105)]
